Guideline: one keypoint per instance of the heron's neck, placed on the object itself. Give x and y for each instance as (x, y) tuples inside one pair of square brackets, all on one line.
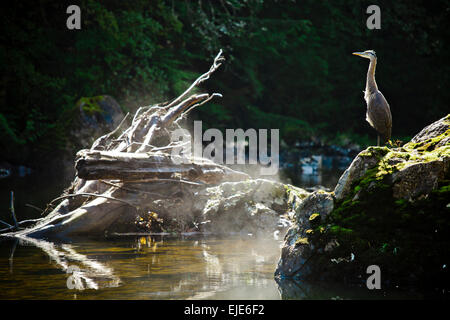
[(371, 85)]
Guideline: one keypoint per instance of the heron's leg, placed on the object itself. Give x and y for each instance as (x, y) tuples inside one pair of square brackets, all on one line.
[(378, 140)]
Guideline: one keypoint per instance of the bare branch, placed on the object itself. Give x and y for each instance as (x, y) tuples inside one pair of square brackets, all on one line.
[(102, 140), (30, 220), (199, 104), (86, 194), (6, 224), (216, 64), (34, 207), (118, 165), (174, 112)]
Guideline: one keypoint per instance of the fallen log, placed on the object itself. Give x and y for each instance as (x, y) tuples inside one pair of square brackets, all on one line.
[(95, 165)]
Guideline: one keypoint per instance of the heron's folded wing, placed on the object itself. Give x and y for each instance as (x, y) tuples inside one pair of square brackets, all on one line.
[(379, 114)]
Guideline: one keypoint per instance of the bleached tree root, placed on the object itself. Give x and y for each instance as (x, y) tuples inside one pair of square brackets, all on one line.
[(133, 177)]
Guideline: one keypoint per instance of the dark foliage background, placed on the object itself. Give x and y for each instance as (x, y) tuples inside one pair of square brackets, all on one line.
[(289, 65)]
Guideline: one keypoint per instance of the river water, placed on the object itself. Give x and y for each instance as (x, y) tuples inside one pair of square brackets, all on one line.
[(140, 268), (135, 267), (195, 267)]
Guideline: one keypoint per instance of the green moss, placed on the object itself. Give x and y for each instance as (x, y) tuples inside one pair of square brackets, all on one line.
[(372, 177), (301, 241), (427, 145), (443, 190), (387, 166), (400, 202), (293, 193), (90, 105), (378, 152)]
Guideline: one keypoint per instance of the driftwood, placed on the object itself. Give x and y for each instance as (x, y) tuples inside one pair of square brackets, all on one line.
[(95, 165), (121, 179)]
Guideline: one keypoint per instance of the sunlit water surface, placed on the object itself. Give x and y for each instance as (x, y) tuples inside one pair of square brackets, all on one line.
[(140, 268)]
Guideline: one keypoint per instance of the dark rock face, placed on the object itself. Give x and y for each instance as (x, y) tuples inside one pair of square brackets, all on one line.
[(297, 249), (293, 261), (318, 202), (390, 208), (90, 118), (418, 179)]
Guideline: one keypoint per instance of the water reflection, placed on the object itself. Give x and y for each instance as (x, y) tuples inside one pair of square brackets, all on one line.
[(140, 268), (86, 272), (150, 267)]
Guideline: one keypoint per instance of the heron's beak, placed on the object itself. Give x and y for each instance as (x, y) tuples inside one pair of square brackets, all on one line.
[(361, 54)]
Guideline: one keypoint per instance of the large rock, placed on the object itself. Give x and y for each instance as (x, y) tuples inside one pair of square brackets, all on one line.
[(437, 131), (390, 208), (251, 206), (297, 249), (364, 161), (94, 116)]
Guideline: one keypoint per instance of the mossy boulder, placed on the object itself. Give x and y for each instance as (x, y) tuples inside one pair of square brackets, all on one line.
[(93, 117), (391, 208)]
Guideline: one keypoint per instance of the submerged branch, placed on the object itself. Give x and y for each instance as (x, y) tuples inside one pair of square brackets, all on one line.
[(13, 214)]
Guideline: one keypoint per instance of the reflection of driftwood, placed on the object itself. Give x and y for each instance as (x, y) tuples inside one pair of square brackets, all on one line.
[(86, 272), (131, 173)]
